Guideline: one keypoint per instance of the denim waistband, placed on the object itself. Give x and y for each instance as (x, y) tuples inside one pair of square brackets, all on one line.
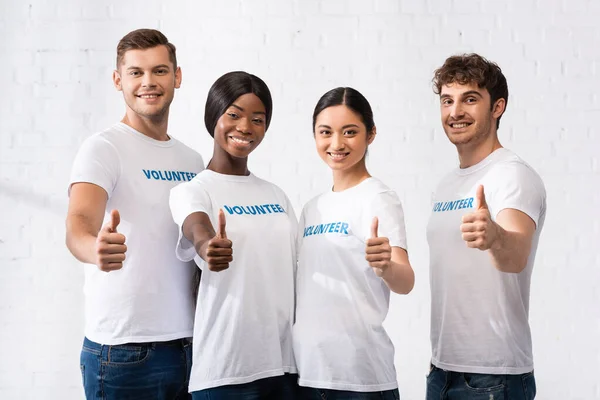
[(175, 342)]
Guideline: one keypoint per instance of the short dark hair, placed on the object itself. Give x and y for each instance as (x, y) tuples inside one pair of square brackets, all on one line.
[(142, 39), (473, 68), (349, 97), (227, 89)]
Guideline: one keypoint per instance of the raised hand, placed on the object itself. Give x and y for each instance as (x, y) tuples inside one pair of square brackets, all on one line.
[(110, 245), (378, 251), (478, 229), (219, 252)]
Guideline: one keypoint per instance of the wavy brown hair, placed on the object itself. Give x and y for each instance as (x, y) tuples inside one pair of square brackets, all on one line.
[(465, 69), (142, 39)]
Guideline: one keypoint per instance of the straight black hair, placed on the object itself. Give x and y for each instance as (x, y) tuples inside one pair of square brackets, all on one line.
[(349, 97), (227, 89)]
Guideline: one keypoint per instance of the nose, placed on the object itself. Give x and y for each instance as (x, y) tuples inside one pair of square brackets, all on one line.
[(457, 111), (243, 125), (337, 141), (148, 80)]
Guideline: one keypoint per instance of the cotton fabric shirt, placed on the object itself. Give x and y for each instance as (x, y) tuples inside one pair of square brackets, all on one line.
[(339, 339), (244, 316), (151, 297), (479, 315)]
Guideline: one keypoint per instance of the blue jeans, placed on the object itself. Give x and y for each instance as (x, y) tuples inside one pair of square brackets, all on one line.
[(158, 370), (449, 385), (281, 387), (329, 394)]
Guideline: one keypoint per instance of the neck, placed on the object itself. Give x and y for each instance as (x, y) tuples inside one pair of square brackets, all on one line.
[(346, 179), (470, 154), (223, 163), (154, 127)]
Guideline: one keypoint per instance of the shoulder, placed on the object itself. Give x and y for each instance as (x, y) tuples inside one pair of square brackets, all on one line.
[(513, 170), (279, 193), (378, 192)]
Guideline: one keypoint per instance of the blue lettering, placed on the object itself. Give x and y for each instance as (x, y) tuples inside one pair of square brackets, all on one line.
[(147, 173), (331, 227), (280, 208), (188, 176), (238, 210), (470, 205), (169, 175), (176, 176), (268, 207), (344, 228), (155, 175), (260, 210), (274, 207), (251, 210), (229, 209)]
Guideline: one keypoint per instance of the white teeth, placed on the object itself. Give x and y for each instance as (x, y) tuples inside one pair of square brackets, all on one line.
[(238, 140), (149, 96), (463, 125), (337, 156)]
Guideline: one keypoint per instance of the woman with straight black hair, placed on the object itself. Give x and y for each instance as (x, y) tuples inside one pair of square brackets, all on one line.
[(244, 316), (352, 252)]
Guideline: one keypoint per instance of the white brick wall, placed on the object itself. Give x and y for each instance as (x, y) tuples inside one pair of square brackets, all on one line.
[(57, 57)]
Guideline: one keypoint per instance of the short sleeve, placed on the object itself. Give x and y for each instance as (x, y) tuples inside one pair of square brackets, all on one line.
[(519, 187), (386, 206), (185, 199), (97, 162), (293, 227)]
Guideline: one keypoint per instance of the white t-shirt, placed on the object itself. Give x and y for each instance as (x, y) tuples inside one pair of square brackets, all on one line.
[(245, 313), (151, 297), (479, 315), (339, 340)]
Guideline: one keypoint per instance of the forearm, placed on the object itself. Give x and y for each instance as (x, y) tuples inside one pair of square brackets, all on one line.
[(199, 234), (81, 239), (510, 250), (400, 278)]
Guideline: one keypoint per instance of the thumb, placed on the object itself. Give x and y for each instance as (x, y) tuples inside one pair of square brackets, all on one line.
[(374, 227), (221, 232), (481, 203), (115, 220)]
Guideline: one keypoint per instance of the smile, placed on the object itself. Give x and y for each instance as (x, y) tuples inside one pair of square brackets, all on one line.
[(148, 96), (337, 156), (239, 140), (460, 125)]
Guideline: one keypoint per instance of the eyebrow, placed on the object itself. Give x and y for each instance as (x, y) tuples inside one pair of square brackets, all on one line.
[(241, 109), (343, 127), (155, 67), (465, 94)]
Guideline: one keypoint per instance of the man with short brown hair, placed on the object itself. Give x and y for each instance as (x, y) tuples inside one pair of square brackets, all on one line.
[(483, 234), (139, 306)]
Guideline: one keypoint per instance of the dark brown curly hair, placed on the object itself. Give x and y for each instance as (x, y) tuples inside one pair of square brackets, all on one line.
[(473, 68)]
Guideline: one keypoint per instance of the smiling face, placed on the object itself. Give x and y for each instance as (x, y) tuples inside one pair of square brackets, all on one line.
[(341, 138), (242, 127), (148, 80), (467, 114)]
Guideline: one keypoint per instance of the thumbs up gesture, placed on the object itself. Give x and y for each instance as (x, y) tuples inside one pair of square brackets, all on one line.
[(378, 251), (219, 252), (478, 229), (110, 245)]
